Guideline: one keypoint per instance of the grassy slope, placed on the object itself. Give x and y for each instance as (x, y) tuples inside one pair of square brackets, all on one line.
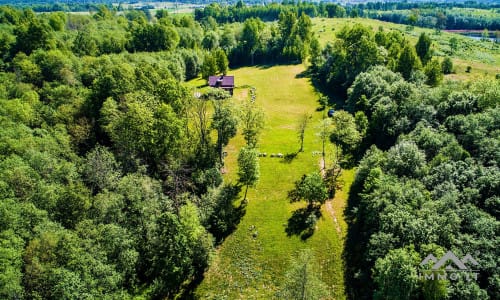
[(483, 57), (252, 268)]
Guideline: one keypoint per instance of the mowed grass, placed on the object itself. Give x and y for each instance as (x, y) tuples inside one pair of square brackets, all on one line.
[(483, 57), (252, 262)]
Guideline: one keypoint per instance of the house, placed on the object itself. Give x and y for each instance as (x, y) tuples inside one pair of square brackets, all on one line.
[(223, 82)]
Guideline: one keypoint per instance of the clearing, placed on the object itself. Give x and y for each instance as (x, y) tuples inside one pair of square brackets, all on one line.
[(252, 261)]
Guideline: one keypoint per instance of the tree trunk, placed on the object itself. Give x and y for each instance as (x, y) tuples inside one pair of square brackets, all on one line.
[(246, 190)]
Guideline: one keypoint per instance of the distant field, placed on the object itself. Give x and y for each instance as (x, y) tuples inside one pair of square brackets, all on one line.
[(248, 268), (483, 57), (171, 6)]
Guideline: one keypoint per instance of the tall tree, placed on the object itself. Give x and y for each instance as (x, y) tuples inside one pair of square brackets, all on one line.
[(396, 275), (248, 168), (345, 133), (224, 121), (301, 129), (434, 72), (209, 66), (222, 61), (423, 48), (324, 130), (408, 62), (310, 188), (301, 281), (252, 121)]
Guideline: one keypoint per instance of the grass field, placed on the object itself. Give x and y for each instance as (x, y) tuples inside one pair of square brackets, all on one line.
[(483, 57), (252, 267)]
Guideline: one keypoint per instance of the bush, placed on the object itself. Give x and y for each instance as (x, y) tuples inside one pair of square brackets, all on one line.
[(447, 66)]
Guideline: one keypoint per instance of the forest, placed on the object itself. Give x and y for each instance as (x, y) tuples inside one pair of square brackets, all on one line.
[(111, 165)]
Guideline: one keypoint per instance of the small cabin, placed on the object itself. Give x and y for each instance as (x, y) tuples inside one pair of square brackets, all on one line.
[(223, 82)]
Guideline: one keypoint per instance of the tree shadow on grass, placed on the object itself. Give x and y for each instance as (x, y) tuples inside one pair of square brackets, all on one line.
[(226, 216), (303, 222), (289, 157)]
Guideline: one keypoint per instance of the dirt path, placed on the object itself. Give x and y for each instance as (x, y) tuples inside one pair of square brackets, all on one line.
[(328, 202)]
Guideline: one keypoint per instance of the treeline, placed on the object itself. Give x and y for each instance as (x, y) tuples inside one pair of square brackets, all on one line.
[(427, 182), (269, 12), (431, 15), (398, 5), (441, 19), (110, 184)]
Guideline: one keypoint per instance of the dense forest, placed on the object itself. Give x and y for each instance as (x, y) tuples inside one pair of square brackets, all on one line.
[(428, 180), (110, 174), (110, 166)]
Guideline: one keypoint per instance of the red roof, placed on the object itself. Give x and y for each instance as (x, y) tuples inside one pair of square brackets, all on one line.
[(225, 81)]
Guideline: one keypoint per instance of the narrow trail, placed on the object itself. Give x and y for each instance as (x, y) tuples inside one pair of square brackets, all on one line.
[(328, 202)]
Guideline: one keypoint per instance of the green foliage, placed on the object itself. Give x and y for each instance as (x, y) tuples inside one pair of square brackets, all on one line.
[(11, 248), (345, 133), (224, 121), (222, 61), (155, 37), (447, 65), (310, 188), (408, 62), (100, 169), (301, 281), (434, 72), (252, 122), (210, 41), (209, 67), (395, 274), (248, 167), (423, 48), (32, 34)]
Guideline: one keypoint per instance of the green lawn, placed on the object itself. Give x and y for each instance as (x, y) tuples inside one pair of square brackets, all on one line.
[(248, 267)]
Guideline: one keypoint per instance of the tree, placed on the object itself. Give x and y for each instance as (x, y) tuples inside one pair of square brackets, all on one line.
[(345, 133), (324, 132), (485, 35), (11, 251), (252, 122), (434, 72), (227, 40), (222, 61), (406, 159), (32, 34), (408, 62), (210, 41), (395, 274), (301, 129), (250, 37), (358, 51), (248, 167), (209, 66), (301, 281), (310, 188), (453, 44), (84, 43), (286, 23), (447, 65), (224, 121), (100, 169), (423, 48)]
